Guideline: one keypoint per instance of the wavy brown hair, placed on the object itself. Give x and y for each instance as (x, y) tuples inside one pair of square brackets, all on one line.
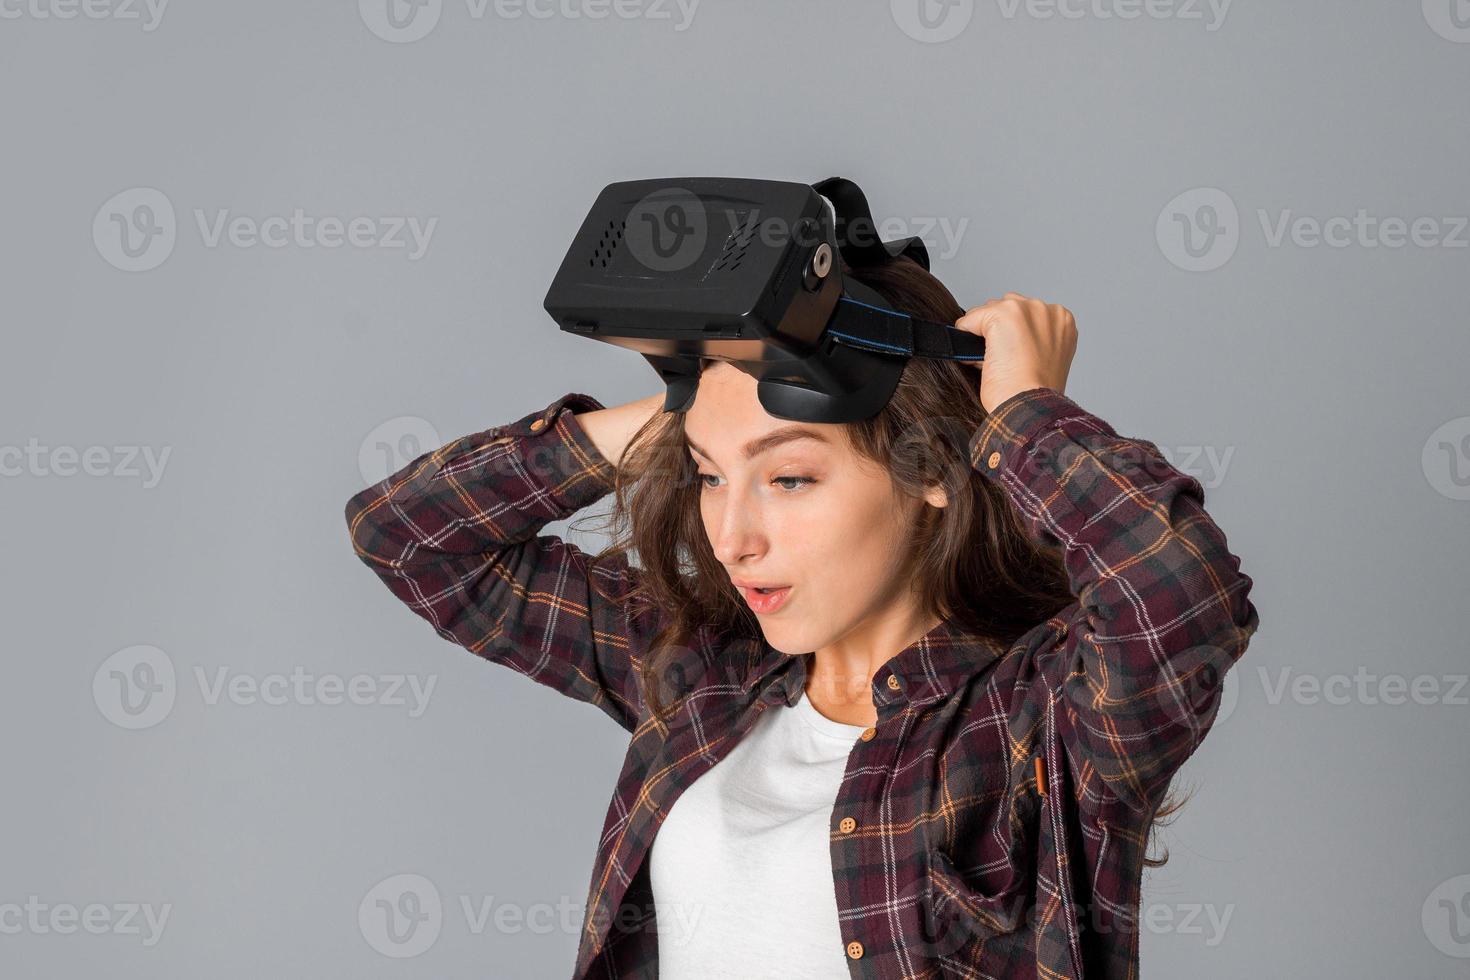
[(972, 561)]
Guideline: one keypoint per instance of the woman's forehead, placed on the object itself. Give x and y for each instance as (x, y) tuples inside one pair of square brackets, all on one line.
[(727, 418)]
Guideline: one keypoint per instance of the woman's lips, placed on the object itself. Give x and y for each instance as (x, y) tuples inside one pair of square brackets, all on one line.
[(766, 602)]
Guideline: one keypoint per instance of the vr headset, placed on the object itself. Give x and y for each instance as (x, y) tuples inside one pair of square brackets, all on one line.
[(747, 271)]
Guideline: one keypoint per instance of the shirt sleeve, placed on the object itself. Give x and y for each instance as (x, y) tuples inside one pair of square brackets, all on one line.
[(453, 534), (1162, 608)]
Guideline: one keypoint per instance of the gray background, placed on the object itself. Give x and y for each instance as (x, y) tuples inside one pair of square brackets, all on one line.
[(1327, 382)]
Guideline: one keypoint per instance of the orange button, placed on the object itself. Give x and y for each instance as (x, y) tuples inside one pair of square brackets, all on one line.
[(848, 825), (855, 950), (868, 733), (993, 461), (540, 424), (893, 682)]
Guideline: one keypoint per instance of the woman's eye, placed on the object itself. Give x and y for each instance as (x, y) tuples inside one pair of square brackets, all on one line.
[(800, 481)]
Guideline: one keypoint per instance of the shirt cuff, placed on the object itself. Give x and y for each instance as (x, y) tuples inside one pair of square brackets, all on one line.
[(1001, 443), (559, 455)]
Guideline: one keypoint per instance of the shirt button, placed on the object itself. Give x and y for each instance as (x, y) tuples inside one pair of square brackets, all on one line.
[(993, 461), (868, 733), (540, 424), (855, 950), (893, 682), (848, 825)]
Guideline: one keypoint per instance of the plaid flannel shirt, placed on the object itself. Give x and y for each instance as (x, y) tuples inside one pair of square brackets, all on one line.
[(993, 822)]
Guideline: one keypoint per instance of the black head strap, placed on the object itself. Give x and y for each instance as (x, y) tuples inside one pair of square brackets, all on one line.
[(857, 235)]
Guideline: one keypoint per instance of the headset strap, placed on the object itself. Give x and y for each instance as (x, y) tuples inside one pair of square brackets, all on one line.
[(855, 221), (868, 327)]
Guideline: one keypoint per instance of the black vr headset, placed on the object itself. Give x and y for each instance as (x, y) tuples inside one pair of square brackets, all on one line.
[(748, 271)]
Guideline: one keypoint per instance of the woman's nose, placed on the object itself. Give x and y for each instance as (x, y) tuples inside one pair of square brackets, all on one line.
[(738, 533)]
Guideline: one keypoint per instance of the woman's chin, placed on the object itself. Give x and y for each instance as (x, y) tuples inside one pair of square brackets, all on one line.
[(788, 641)]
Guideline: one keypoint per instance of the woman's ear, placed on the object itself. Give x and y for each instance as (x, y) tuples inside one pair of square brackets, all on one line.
[(936, 497)]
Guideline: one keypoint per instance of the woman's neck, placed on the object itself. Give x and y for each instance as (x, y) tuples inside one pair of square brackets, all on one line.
[(840, 683)]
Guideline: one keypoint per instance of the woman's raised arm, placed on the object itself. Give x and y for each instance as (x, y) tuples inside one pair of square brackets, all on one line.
[(1163, 609), (453, 534)]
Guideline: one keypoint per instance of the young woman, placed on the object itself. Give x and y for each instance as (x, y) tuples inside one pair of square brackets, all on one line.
[(905, 695)]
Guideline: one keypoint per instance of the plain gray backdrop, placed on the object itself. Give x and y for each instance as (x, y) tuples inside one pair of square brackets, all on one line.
[(1257, 214)]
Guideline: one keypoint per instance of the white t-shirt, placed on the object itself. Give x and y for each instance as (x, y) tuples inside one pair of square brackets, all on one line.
[(741, 868)]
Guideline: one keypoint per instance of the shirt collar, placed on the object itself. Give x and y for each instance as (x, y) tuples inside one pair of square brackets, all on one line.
[(927, 670)]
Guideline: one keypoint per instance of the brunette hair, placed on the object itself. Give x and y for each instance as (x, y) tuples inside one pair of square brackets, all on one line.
[(971, 561)]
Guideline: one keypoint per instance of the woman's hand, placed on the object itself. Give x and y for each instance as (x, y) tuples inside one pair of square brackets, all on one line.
[(611, 429), (1028, 344)]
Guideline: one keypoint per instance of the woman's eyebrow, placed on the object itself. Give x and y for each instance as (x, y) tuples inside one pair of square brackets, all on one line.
[(769, 441)]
